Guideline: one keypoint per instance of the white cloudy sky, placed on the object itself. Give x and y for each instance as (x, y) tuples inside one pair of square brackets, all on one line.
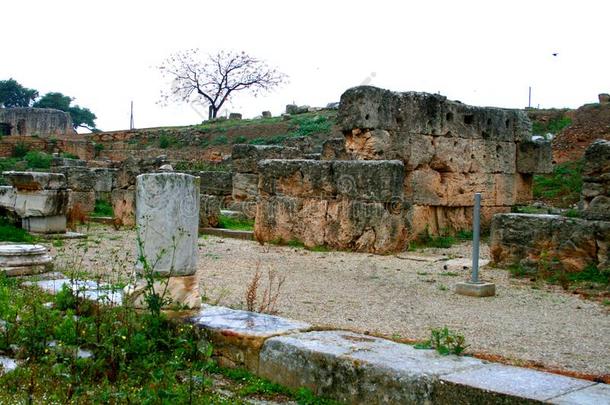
[(103, 53)]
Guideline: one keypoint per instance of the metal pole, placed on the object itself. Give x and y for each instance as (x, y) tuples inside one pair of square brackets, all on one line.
[(529, 98), (476, 225)]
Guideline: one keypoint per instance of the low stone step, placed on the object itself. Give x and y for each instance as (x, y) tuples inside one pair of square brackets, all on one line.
[(229, 233), (24, 259)]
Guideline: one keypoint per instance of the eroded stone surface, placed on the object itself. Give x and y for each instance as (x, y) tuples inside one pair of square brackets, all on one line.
[(88, 289), (167, 217), (595, 194), (33, 181), (516, 382), (181, 292), (357, 368), (593, 394), (239, 335)]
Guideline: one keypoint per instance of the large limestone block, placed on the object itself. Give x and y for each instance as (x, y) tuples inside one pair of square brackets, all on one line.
[(369, 180), (124, 207), (180, 292), (551, 242), (597, 159), (368, 107), (7, 197), (104, 179), (41, 203), (297, 178), (535, 157), (436, 220), (216, 183), (334, 149), (167, 218), (376, 144), (32, 181), (78, 178), (493, 156), (84, 199), (245, 186), (245, 157), (209, 211)]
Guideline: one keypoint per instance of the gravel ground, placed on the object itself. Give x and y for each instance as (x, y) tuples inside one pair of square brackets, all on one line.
[(389, 295)]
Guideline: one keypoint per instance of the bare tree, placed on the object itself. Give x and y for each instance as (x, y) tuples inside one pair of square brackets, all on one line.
[(214, 78)]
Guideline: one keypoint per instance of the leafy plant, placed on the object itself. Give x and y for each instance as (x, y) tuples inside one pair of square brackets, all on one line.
[(38, 160), (220, 140), (563, 186), (240, 139), (307, 125), (102, 209), (19, 150), (445, 342), (11, 233)]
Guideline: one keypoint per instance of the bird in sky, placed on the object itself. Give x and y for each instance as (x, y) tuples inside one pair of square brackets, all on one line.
[(555, 53)]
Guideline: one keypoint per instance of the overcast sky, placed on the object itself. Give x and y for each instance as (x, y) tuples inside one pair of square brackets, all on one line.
[(104, 53)]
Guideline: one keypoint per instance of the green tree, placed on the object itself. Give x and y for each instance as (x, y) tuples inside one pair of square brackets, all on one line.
[(81, 117), (12, 94)]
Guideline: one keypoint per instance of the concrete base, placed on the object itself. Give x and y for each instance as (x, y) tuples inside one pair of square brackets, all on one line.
[(480, 289)]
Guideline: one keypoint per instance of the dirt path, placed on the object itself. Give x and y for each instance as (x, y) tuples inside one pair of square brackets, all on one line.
[(389, 295)]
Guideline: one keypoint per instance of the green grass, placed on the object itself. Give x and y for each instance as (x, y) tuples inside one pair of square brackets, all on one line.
[(563, 186), (102, 209), (220, 140), (427, 240), (219, 125), (311, 124), (11, 233), (137, 357), (592, 274), (554, 126), (236, 224)]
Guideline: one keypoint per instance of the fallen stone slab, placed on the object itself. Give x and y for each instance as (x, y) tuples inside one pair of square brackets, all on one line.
[(229, 233), (33, 181), (87, 289), (239, 335), (66, 235)]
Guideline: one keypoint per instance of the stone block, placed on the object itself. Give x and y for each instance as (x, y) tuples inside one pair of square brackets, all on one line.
[(296, 178), (84, 199), (7, 197), (22, 260), (33, 181), (47, 224), (245, 157), (245, 186), (534, 157), (369, 180), (561, 243), (209, 211), (357, 369), (124, 207), (78, 178), (167, 218), (41, 203), (239, 335), (334, 149), (480, 289), (216, 183), (593, 394), (104, 179), (597, 159), (182, 292)]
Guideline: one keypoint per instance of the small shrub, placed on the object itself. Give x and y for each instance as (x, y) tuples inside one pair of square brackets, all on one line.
[(220, 140), (69, 155), (19, 150), (165, 141), (240, 139), (102, 209), (445, 342), (268, 302), (38, 160)]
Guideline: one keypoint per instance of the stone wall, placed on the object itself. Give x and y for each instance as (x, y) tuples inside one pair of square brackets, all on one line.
[(555, 243), (88, 185), (42, 122), (341, 204), (449, 150)]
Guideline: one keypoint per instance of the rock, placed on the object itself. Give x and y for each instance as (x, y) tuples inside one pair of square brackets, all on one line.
[(42, 122), (303, 143), (182, 292), (167, 218), (35, 181), (334, 149), (333, 106), (209, 211), (534, 157), (554, 242), (216, 183), (21, 259), (266, 114), (166, 168), (123, 207), (595, 194), (41, 203), (45, 225), (286, 117), (294, 109), (245, 157), (235, 116), (604, 98)]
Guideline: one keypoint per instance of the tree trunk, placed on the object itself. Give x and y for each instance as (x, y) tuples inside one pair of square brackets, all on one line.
[(212, 112)]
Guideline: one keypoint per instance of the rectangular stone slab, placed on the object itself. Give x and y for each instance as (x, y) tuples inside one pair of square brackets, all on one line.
[(238, 335), (357, 368), (594, 394), (498, 381)]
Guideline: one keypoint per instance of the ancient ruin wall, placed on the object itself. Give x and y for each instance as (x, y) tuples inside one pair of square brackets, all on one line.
[(42, 122), (449, 150), (341, 204)]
